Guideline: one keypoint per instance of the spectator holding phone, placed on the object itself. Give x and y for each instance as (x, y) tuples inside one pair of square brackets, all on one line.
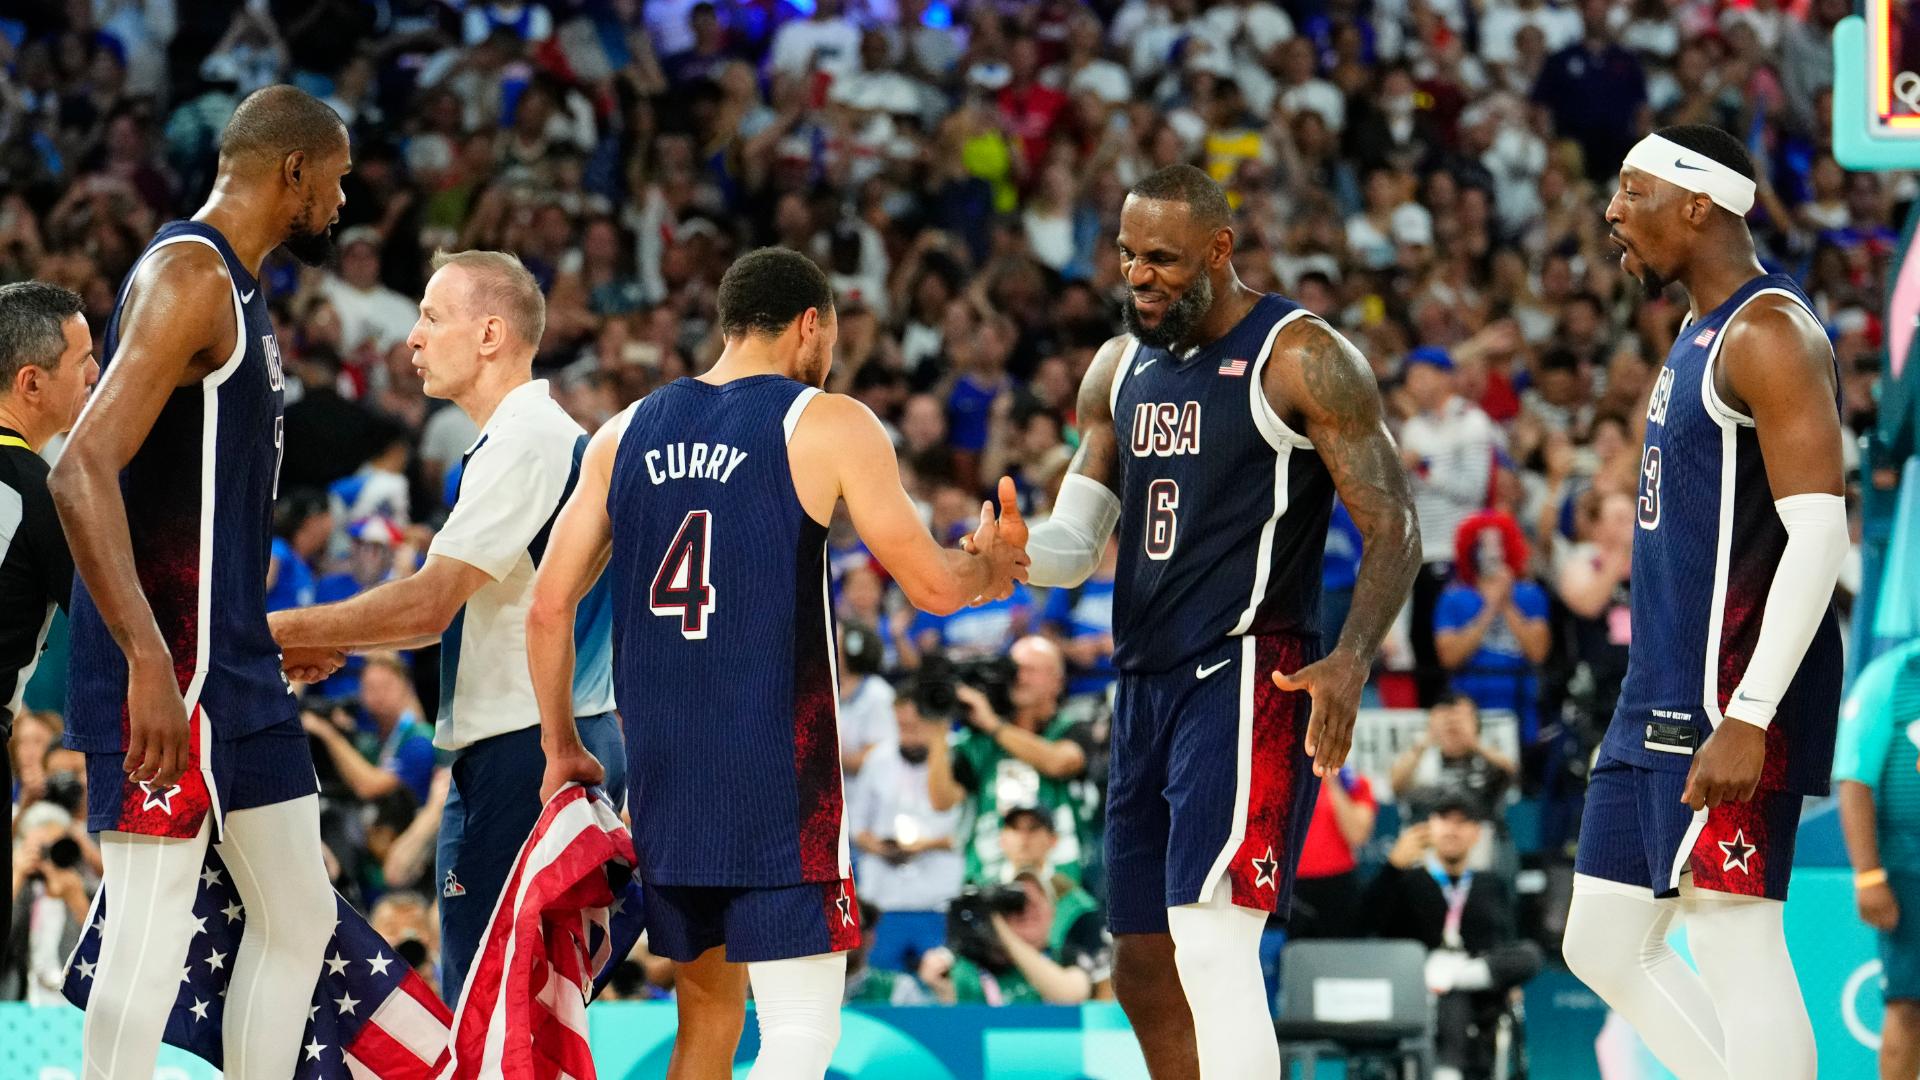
[(1490, 625)]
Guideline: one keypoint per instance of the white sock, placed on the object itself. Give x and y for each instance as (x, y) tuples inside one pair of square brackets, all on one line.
[(798, 1005), (152, 881), (1216, 947), (273, 853), (1616, 942), (1740, 943)]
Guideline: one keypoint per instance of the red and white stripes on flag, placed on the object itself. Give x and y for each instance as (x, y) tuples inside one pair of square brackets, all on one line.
[(1235, 368), (523, 1013)]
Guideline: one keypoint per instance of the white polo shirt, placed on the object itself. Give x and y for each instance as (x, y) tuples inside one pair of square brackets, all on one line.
[(516, 477)]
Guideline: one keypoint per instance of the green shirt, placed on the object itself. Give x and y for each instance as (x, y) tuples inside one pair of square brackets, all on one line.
[(996, 782), (1878, 744), (1078, 938)]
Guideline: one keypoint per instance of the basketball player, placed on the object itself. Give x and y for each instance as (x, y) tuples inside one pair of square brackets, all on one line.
[(1731, 700), (175, 688), (481, 320), (710, 500), (1226, 419)]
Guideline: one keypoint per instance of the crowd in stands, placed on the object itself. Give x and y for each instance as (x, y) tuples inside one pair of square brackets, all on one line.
[(1429, 176)]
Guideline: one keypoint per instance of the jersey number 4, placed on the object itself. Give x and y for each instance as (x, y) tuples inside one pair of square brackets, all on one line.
[(682, 587)]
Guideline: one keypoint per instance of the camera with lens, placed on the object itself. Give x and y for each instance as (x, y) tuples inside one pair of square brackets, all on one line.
[(413, 951), (62, 854), (970, 924), (934, 689), (65, 790)]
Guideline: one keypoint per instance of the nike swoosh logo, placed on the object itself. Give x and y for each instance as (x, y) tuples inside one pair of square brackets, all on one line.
[(1678, 164), (1203, 672), (247, 297), (1742, 695), (1145, 364)]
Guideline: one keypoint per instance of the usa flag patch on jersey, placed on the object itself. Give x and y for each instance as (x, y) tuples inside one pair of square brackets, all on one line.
[(1704, 336), (1235, 368)]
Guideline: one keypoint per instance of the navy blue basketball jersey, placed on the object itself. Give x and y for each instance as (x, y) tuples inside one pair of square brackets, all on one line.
[(199, 495), (724, 641), (1224, 508), (1704, 557)]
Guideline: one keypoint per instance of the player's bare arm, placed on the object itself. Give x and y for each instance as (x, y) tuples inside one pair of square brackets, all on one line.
[(178, 326), (1318, 376), (1067, 546), (840, 451), (577, 553), (1776, 366)]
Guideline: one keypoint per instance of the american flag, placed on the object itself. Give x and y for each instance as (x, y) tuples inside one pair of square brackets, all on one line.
[(371, 1015), (1704, 336), (568, 916), (1236, 368)]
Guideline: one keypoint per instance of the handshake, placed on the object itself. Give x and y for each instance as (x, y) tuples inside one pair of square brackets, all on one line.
[(1000, 543)]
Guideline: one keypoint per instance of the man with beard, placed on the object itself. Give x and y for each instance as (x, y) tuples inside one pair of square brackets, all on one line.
[(176, 690), (1732, 695), (1226, 419)]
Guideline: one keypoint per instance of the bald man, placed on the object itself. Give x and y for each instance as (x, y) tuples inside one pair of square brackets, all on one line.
[(176, 692), (480, 323)]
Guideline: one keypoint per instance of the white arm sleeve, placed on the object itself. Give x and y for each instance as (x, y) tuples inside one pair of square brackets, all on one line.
[(1817, 543), (1066, 547)]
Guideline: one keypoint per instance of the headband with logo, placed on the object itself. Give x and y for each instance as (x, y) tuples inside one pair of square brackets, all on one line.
[(1693, 171)]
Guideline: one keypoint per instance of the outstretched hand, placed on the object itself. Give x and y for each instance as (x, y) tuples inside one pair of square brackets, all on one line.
[(1335, 684), (1002, 541)]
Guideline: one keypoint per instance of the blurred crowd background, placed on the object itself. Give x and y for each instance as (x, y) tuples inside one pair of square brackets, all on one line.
[(1429, 176)]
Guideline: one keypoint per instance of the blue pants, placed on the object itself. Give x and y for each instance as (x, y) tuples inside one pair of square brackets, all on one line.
[(492, 807)]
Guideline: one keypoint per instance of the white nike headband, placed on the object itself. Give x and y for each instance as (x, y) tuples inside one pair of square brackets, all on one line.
[(1692, 171)]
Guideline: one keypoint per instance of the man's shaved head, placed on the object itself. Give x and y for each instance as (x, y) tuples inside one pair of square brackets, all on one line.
[(1205, 202), (279, 120)]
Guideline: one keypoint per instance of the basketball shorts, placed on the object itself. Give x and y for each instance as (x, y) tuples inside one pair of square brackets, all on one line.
[(1900, 950), (268, 766), (1636, 831), (1210, 780), (754, 924)]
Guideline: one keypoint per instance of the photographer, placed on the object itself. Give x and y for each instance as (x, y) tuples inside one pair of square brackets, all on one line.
[(1039, 940), (909, 858), (51, 888), (1428, 892), (1016, 750), (403, 755)]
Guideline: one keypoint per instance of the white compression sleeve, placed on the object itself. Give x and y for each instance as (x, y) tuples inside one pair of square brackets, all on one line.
[(1740, 943), (1066, 547), (798, 1004), (1616, 943), (149, 927), (1216, 947), (1802, 588), (273, 853)]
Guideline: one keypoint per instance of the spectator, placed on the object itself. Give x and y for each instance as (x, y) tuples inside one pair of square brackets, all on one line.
[(1490, 625), (910, 859), (52, 887), (1452, 757), (1080, 621), (1339, 569), (402, 744), (1326, 889), (868, 985), (1021, 751), (405, 921), (372, 316), (1595, 583), (1448, 445), (1427, 892), (1043, 939), (866, 701), (1594, 90), (303, 525)]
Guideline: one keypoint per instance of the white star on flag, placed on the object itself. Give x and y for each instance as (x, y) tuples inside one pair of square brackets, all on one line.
[(211, 877), (199, 926), (216, 961), (346, 1004), (379, 964), (163, 799), (233, 911), (199, 1009), (335, 965), (186, 973), (100, 925), (313, 1050), (312, 1010), (87, 968)]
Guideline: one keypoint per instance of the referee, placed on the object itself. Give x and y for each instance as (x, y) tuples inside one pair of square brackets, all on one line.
[(46, 369)]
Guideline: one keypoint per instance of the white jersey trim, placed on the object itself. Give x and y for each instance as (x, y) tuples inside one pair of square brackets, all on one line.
[(800, 403), (1120, 373), (1684, 853), (1242, 774), (1284, 441), (1272, 428)]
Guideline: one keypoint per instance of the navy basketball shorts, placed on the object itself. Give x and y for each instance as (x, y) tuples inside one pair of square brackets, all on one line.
[(1210, 781), (1636, 831), (261, 768), (754, 924), (492, 806)]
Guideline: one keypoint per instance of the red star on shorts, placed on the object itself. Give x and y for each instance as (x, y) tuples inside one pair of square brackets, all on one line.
[(161, 799), (845, 904), (1738, 852), (1266, 870)]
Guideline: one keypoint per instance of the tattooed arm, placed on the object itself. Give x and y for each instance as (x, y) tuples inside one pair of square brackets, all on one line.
[(1319, 376)]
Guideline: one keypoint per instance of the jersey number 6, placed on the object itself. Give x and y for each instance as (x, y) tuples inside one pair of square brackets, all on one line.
[(1163, 520), (681, 586)]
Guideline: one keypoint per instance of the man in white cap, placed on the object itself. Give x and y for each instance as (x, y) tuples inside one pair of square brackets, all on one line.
[(1727, 715)]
